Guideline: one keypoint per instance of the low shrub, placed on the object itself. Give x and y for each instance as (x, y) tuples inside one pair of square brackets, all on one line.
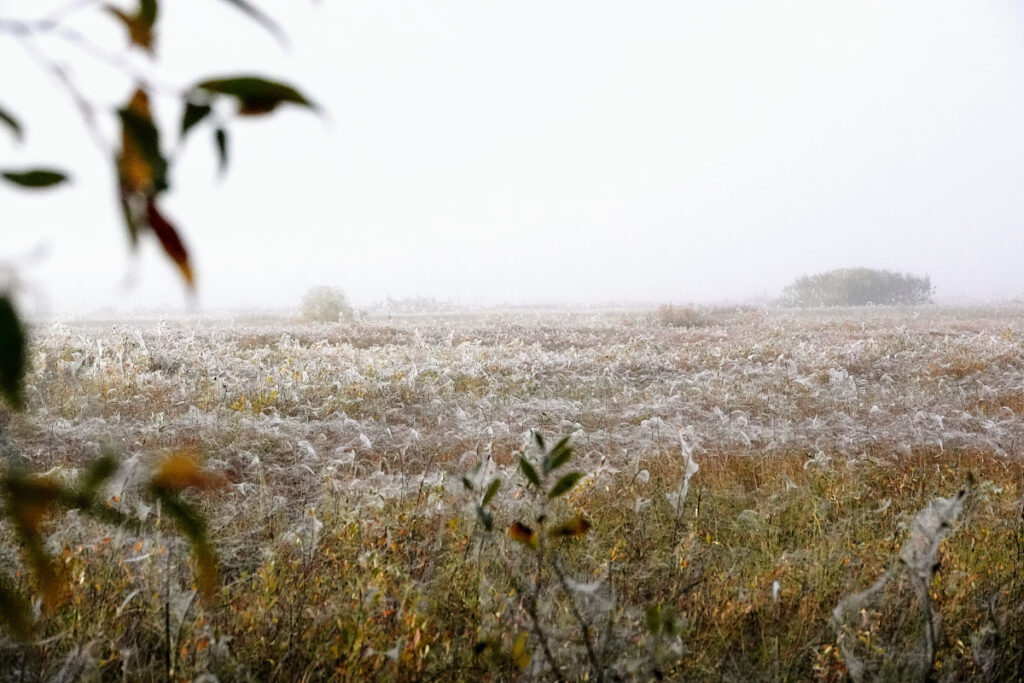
[(681, 316)]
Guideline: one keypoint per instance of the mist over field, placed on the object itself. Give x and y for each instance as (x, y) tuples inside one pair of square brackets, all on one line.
[(578, 153)]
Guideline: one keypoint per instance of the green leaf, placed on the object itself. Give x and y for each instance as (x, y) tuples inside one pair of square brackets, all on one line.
[(491, 491), (256, 95), (486, 518), (558, 456), (467, 484), (193, 526), (7, 118), (577, 526), (36, 178), (528, 471), (259, 17), (194, 113), (565, 484), (652, 618), (131, 220), (540, 440), (148, 11), (12, 353), (15, 609), (220, 138), (668, 621), (99, 471)]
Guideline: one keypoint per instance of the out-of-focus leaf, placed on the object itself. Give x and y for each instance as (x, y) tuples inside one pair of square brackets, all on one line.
[(131, 220), (259, 17), (467, 484), (668, 621), (194, 113), (486, 518), (15, 610), (139, 25), (8, 119), (558, 456), (193, 526), (36, 178), (220, 138), (181, 470), (28, 501), (528, 471), (577, 526), (176, 472), (12, 353), (141, 165), (661, 620), (255, 95), (491, 491), (652, 618), (96, 475), (520, 652), (148, 11), (523, 534), (43, 568), (539, 438), (565, 484), (170, 241)]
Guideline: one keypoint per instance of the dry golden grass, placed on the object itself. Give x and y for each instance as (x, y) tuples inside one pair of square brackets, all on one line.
[(350, 551)]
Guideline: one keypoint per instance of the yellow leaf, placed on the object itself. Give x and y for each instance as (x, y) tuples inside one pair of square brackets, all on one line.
[(135, 171), (520, 655), (523, 534), (577, 526), (181, 470)]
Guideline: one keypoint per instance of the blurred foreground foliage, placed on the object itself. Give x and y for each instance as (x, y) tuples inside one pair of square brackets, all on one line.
[(142, 165), (142, 169)]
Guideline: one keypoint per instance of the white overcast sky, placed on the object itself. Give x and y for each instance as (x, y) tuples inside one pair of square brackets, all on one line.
[(548, 151)]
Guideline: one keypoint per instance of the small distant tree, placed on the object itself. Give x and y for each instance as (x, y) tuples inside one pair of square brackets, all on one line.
[(326, 305), (858, 287)]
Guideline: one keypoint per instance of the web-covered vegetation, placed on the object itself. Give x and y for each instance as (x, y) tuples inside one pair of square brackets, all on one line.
[(350, 546)]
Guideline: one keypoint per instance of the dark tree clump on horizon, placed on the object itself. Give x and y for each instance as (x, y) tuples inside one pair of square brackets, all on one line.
[(859, 287)]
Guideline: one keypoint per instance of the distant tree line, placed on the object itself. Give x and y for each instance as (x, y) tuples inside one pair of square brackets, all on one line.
[(858, 287)]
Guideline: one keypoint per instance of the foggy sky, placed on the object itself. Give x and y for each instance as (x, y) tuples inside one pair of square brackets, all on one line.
[(574, 151)]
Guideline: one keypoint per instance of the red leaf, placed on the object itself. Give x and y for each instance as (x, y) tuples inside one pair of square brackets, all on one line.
[(169, 240)]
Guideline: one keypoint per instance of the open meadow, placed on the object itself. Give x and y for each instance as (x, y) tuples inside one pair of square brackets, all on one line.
[(744, 471)]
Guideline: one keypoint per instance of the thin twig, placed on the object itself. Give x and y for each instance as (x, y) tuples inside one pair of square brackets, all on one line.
[(531, 609), (606, 645), (181, 627), (581, 620), (84, 107), (530, 605), (116, 61), (167, 616), (61, 13)]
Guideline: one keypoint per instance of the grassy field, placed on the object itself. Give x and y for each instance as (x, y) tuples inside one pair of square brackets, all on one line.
[(745, 471)]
